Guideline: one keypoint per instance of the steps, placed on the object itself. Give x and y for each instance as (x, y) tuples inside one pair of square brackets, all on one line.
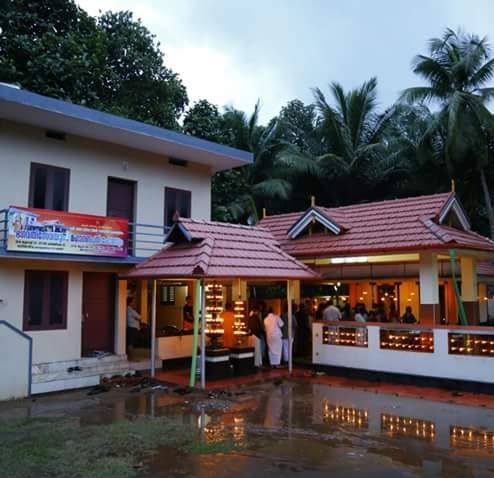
[(54, 376)]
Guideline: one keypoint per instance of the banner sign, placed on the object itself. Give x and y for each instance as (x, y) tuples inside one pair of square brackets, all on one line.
[(43, 230)]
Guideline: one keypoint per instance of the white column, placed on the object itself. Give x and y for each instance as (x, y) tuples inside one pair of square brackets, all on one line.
[(290, 320), (429, 288), (428, 277), (120, 343), (153, 329)]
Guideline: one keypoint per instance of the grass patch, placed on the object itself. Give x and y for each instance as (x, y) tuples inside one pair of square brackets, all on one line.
[(59, 447)]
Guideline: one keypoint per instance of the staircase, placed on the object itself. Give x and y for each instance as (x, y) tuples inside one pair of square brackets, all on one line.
[(57, 376)]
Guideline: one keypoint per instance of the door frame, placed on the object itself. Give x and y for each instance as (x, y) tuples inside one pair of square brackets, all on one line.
[(132, 239), (112, 303)]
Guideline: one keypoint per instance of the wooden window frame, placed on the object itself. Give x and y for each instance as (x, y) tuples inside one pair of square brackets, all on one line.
[(186, 192), (45, 317), (167, 294), (49, 184)]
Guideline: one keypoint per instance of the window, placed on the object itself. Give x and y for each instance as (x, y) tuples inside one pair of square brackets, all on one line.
[(167, 295), (49, 187), (45, 300), (176, 201)]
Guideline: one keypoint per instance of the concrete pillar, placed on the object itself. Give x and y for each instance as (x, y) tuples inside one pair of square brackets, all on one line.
[(121, 318), (483, 316), (143, 300), (429, 312), (295, 291), (469, 288)]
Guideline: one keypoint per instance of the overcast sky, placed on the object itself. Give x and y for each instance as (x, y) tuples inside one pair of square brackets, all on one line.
[(235, 51)]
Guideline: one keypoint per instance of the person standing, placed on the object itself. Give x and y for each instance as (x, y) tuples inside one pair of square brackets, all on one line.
[(256, 328), (331, 312), (272, 326), (408, 317), (360, 313), (188, 314), (133, 323), (284, 331)]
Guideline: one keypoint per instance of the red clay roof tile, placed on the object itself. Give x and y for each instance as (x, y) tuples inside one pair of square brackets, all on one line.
[(387, 226), (222, 250)]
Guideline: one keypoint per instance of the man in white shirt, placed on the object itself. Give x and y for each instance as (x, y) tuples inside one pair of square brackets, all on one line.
[(331, 312), (133, 323)]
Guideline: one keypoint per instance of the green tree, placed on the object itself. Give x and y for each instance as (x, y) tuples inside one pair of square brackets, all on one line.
[(263, 181), (204, 120), (458, 70), (349, 149), (111, 63)]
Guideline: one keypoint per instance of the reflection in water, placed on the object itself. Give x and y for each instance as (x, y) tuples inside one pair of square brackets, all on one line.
[(307, 427), (395, 425), (355, 417), (471, 438)]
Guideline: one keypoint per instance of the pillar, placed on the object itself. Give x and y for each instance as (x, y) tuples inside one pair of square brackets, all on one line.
[(469, 289), (121, 318), (483, 312), (143, 300), (295, 291), (429, 311)]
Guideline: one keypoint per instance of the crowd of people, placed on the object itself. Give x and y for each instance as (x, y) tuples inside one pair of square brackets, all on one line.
[(271, 334), (328, 311)]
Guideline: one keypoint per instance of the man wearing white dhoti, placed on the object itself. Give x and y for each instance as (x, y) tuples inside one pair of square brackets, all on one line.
[(272, 326)]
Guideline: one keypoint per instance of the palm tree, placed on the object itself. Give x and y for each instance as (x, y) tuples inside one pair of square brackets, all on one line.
[(351, 144), (262, 180), (458, 70)]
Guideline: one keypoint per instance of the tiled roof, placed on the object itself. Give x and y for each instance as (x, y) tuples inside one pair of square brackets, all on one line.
[(387, 226), (222, 250), (485, 268)]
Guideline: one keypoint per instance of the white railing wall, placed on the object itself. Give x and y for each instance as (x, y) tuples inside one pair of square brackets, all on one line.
[(15, 365), (437, 363)]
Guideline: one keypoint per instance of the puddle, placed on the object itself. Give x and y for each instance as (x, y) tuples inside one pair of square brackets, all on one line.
[(290, 429)]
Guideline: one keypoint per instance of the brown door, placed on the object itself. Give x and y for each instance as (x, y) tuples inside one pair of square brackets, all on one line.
[(98, 311), (120, 203)]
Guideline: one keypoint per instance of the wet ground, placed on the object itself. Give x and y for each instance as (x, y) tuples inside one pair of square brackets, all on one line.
[(281, 428)]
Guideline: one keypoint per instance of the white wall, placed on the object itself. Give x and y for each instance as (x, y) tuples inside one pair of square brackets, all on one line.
[(437, 364), (48, 345), (91, 163), (14, 366)]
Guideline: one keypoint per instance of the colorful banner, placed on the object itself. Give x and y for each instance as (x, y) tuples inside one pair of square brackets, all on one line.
[(43, 230)]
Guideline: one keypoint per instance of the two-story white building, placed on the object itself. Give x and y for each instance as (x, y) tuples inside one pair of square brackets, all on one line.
[(65, 172)]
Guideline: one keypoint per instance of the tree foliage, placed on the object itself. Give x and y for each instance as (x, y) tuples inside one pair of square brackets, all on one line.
[(111, 63), (343, 148)]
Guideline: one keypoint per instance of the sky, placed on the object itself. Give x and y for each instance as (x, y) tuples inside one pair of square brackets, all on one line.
[(234, 52)]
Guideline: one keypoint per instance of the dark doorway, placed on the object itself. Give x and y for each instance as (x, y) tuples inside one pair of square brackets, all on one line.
[(177, 202), (98, 311), (121, 203)]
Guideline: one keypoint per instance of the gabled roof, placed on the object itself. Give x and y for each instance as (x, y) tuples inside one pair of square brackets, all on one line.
[(386, 226), (25, 107), (205, 249), (313, 214)]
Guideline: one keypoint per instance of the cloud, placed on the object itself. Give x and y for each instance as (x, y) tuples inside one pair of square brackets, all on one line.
[(234, 52)]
